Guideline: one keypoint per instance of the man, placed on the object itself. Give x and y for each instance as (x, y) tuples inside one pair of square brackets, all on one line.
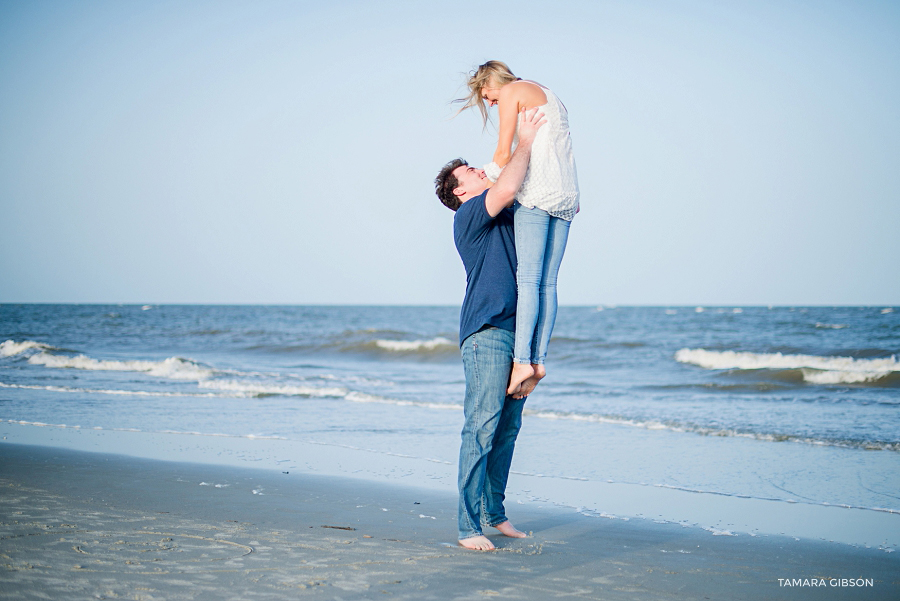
[(484, 235)]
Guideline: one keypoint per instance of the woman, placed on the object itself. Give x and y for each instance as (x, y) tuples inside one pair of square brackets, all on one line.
[(545, 206)]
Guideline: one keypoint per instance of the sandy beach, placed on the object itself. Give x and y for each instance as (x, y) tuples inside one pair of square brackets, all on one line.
[(79, 525)]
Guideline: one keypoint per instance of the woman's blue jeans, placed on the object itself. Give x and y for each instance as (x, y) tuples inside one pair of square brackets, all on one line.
[(493, 420), (540, 245)]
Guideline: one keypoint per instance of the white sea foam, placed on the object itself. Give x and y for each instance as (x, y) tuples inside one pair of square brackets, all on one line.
[(179, 432), (831, 326), (815, 369), (362, 397), (251, 388), (152, 393), (11, 347), (415, 345), (247, 389), (717, 532), (814, 376), (174, 368), (705, 431), (593, 513), (242, 389)]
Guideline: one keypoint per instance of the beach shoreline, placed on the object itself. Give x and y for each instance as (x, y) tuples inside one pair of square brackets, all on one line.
[(98, 525), (716, 514)]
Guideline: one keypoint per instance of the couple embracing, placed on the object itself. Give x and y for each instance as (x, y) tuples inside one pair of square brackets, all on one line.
[(511, 226)]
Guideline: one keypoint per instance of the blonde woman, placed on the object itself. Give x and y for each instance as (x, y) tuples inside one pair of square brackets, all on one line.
[(545, 206)]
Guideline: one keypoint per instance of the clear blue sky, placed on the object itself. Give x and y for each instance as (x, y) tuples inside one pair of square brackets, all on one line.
[(284, 152)]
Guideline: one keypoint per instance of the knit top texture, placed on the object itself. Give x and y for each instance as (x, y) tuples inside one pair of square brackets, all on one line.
[(551, 182)]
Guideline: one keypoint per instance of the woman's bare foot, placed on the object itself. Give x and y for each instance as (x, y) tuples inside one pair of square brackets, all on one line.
[(510, 530), (527, 387), (477, 543), (520, 373)]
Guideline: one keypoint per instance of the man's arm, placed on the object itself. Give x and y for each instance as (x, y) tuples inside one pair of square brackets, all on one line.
[(503, 192)]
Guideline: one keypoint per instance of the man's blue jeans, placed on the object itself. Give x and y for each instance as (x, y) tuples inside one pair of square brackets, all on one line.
[(489, 435)]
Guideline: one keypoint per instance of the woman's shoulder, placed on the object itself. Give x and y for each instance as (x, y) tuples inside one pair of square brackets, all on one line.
[(529, 93), (531, 82)]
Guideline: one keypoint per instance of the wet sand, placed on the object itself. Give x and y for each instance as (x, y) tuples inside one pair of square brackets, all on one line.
[(79, 525)]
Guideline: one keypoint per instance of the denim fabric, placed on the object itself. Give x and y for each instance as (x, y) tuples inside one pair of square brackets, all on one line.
[(489, 435), (540, 245)]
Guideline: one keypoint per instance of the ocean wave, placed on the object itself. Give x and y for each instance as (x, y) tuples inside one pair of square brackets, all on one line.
[(152, 393), (831, 326), (257, 389), (138, 430), (717, 532), (595, 343), (750, 387), (247, 389), (382, 343), (438, 343), (651, 424), (11, 348), (362, 397), (814, 369), (175, 368)]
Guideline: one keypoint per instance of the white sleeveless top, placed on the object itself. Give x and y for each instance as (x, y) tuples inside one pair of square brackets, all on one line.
[(551, 182)]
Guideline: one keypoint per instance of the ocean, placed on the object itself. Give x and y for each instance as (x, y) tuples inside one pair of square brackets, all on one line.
[(783, 405)]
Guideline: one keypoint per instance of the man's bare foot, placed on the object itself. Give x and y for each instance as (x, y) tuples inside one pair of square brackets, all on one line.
[(520, 373), (527, 387), (477, 543), (510, 530)]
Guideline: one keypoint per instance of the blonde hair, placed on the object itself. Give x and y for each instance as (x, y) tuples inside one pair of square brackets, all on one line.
[(490, 74)]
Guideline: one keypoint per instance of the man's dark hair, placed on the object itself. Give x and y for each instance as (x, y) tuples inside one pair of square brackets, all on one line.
[(445, 183)]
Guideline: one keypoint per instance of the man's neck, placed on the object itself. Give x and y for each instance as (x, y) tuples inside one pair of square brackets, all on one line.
[(480, 192)]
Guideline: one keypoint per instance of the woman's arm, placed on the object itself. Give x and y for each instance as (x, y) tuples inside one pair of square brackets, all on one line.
[(502, 194), (508, 109)]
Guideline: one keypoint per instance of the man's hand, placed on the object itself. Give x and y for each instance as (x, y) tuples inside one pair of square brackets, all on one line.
[(529, 122), (503, 192)]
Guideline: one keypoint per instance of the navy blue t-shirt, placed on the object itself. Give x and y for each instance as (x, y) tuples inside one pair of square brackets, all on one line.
[(487, 247)]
